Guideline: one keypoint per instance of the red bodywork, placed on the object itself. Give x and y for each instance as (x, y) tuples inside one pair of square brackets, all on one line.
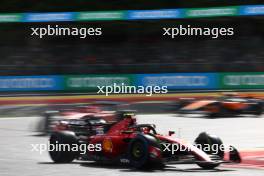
[(118, 138), (94, 111), (121, 132), (81, 113)]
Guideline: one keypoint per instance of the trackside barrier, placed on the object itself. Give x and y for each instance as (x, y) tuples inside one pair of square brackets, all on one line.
[(173, 81), (248, 10)]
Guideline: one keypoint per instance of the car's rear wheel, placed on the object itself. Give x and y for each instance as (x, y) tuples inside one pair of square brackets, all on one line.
[(259, 109), (217, 110), (61, 147)]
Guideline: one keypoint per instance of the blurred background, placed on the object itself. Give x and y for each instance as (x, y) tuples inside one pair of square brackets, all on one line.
[(129, 46), (132, 48)]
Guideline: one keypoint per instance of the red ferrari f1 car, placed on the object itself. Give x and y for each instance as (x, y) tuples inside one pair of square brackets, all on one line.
[(138, 145)]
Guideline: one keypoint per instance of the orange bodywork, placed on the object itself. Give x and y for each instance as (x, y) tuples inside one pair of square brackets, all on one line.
[(198, 104), (208, 105)]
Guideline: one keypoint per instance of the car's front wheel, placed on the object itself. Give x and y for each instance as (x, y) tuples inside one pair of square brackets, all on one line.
[(213, 146), (208, 165)]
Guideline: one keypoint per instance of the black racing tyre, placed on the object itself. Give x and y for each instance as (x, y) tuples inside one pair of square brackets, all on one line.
[(139, 155), (259, 109), (214, 115), (45, 123), (222, 111), (204, 140), (66, 138), (215, 145)]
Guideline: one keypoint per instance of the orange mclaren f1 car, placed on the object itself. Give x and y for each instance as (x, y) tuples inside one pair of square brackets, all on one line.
[(224, 106)]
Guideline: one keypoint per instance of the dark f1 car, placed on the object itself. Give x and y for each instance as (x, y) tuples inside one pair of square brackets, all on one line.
[(103, 109), (224, 106), (138, 145)]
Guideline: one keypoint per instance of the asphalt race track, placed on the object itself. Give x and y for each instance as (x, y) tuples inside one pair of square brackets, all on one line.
[(18, 159)]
